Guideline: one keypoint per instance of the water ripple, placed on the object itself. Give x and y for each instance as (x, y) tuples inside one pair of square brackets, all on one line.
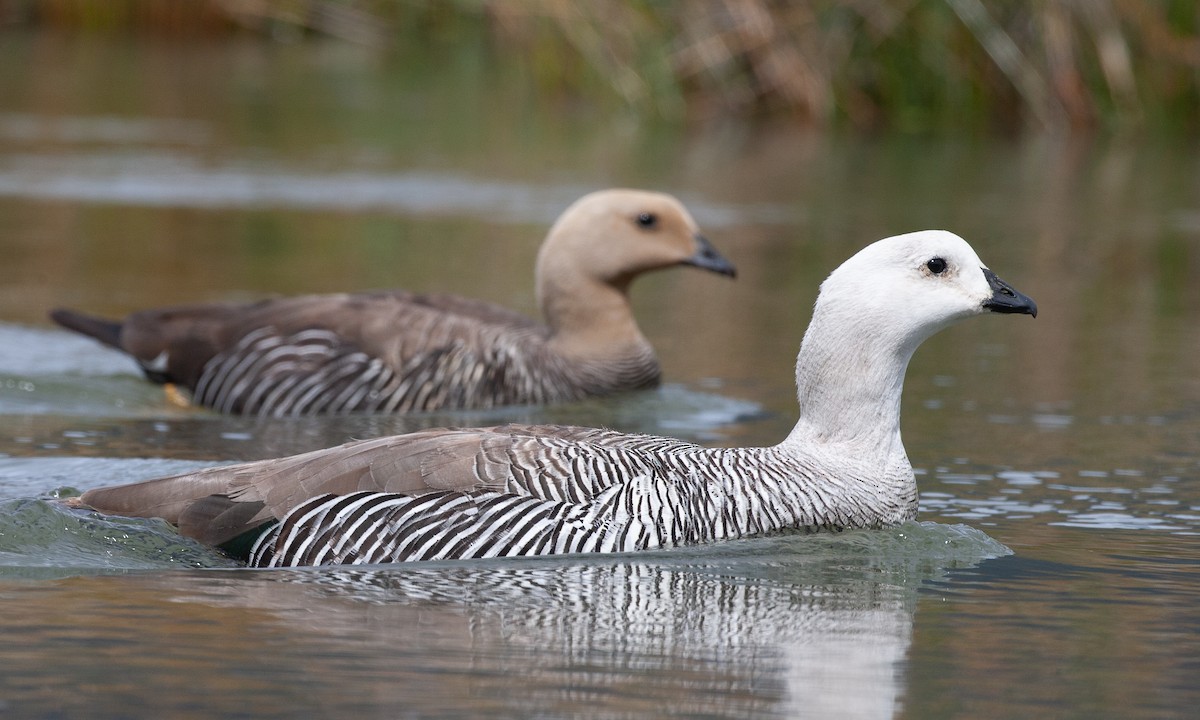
[(1130, 500)]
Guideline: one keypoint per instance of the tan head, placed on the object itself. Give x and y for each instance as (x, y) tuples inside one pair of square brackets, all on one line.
[(612, 236), (607, 238)]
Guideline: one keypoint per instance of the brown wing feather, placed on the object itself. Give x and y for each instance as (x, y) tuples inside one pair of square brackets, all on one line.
[(217, 519), (461, 306), (217, 504)]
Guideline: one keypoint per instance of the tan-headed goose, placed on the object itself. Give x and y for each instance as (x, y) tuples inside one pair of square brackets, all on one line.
[(396, 351), (516, 490)]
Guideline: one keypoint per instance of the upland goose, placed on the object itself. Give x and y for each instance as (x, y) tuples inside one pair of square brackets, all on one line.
[(518, 490), (397, 352)]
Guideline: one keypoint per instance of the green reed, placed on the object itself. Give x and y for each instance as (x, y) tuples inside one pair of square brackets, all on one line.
[(912, 65)]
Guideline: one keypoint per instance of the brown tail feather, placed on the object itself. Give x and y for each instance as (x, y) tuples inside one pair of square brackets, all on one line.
[(105, 331)]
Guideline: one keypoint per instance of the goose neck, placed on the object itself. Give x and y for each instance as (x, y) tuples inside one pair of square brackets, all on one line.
[(849, 387), (589, 318)]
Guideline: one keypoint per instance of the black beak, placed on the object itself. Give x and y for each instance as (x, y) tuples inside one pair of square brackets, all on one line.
[(707, 258), (1005, 299)]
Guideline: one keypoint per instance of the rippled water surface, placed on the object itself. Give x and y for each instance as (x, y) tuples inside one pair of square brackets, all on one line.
[(1054, 570)]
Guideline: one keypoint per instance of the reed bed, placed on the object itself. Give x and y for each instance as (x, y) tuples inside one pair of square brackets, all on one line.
[(900, 64)]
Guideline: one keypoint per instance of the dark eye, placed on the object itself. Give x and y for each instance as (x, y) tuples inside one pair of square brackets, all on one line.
[(647, 220), (937, 266)]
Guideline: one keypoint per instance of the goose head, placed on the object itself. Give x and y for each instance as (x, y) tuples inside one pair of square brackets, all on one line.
[(872, 313), (910, 286), (612, 236), (597, 247)]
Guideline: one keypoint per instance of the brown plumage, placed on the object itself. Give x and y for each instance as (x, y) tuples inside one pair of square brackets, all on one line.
[(396, 351)]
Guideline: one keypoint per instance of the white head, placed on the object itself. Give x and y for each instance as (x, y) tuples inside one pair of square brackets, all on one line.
[(910, 286), (871, 315)]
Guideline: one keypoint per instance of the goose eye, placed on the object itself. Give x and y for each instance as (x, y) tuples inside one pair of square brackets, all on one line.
[(647, 220), (937, 266)]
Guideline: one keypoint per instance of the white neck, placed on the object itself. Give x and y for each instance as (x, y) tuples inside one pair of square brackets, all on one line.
[(849, 380)]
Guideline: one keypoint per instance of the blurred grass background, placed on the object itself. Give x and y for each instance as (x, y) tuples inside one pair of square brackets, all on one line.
[(907, 65)]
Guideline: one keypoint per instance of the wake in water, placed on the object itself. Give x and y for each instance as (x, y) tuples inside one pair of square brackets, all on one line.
[(42, 537)]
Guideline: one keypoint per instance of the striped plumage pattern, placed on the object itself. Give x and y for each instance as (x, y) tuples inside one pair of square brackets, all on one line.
[(369, 527), (316, 371), (595, 492)]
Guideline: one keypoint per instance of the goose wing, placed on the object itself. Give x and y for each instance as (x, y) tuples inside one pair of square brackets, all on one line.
[(323, 353), (217, 504)]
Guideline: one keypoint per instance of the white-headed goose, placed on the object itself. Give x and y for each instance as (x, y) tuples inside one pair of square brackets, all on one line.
[(516, 490)]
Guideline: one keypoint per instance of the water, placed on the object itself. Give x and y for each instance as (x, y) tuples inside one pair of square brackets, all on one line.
[(1053, 570)]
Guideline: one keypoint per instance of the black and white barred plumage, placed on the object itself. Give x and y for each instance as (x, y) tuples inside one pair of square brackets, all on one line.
[(371, 527), (597, 492)]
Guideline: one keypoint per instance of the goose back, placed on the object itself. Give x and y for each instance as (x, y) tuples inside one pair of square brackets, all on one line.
[(398, 352)]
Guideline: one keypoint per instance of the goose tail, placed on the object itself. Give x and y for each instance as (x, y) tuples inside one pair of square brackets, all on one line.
[(105, 331)]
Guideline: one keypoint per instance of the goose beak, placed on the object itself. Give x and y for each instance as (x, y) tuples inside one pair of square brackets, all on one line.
[(1005, 299), (707, 258)]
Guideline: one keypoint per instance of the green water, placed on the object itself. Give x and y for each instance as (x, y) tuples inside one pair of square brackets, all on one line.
[(1054, 571)]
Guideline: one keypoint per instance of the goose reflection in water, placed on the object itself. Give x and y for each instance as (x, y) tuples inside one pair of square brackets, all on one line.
[(758, 632)]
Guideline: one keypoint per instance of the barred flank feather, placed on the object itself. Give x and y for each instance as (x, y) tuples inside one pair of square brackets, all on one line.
[(617, 493), (369, 527), (316, 372)]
